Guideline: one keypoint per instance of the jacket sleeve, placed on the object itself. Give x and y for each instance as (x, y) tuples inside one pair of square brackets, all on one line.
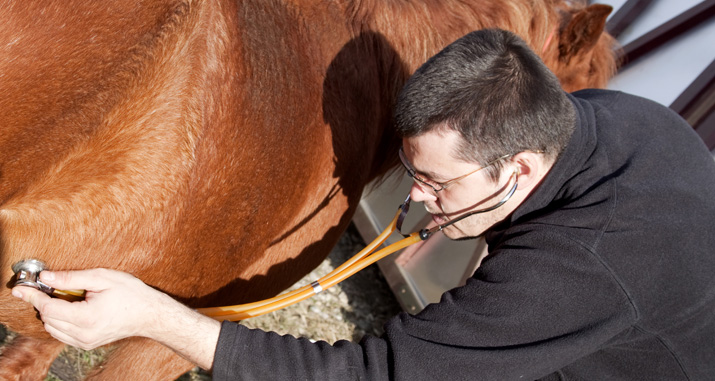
[(252, 354), (526, 313)]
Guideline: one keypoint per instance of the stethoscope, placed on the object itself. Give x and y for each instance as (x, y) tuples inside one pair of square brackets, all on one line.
[(27, 271), (425, 233)]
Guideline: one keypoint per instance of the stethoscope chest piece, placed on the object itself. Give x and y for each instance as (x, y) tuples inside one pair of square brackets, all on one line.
[(27, 273)]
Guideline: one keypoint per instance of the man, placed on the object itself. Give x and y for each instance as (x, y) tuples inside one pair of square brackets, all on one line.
[(600, 263)]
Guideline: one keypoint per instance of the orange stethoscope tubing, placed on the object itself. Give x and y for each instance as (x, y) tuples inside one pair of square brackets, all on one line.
[(358, 262)]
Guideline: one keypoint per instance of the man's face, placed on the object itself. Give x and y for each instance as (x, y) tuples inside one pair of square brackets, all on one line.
[(431, 155)]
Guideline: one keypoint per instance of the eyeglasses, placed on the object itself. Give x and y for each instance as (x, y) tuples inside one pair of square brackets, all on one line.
[(434, 185)]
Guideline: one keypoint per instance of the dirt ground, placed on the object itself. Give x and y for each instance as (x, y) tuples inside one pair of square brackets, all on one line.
[(358, 306)]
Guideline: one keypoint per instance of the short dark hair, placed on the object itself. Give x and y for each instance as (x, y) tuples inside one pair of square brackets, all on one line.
[(496, 92)]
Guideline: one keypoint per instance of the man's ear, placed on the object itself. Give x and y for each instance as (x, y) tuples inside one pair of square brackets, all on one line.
[(532, 168)]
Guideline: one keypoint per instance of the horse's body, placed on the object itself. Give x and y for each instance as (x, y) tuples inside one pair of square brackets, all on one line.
[(216, 150)]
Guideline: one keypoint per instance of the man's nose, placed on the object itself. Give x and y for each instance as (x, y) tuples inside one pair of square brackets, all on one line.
[(421, 193)]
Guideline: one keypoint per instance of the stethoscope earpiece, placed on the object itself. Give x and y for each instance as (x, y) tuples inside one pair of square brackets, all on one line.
[(426, 233)]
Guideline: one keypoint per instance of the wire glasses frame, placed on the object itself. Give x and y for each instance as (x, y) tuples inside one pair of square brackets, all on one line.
[(437, 186)]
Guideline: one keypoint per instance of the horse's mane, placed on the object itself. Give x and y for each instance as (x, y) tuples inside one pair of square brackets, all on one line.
[(435, 23), (418, 29)]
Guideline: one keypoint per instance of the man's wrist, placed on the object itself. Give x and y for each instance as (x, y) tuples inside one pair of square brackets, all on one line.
[(186, 331)]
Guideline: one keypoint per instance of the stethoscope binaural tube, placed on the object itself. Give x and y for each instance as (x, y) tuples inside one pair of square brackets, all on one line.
[(426, 233)]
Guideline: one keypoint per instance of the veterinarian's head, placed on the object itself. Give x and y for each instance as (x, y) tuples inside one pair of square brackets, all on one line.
[(481, 117)]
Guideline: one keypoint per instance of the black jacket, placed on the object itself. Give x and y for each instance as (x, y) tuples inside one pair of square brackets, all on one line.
[(607, 271)]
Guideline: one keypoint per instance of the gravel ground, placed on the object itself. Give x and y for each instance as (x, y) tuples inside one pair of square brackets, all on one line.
[(358, 306)]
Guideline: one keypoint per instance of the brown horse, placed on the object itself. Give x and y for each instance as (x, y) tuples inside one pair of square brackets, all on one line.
[(216, 149)]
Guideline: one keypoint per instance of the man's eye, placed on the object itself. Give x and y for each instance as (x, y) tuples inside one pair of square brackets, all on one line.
[(431, 182)]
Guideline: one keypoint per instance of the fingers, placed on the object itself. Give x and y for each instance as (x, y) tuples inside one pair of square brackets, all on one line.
[(63, 337), (52, 312), (94, 279), (72, 323), (74, 335), (49, 308), (33, 296)]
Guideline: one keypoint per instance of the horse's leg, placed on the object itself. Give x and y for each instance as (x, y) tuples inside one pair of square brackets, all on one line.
[(27, 358), (141, 359)]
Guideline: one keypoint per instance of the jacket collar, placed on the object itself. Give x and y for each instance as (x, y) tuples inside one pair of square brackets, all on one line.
[(554, 188)]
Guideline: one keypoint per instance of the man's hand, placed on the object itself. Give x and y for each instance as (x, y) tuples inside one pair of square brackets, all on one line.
[(115, 306), (118, 305)]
